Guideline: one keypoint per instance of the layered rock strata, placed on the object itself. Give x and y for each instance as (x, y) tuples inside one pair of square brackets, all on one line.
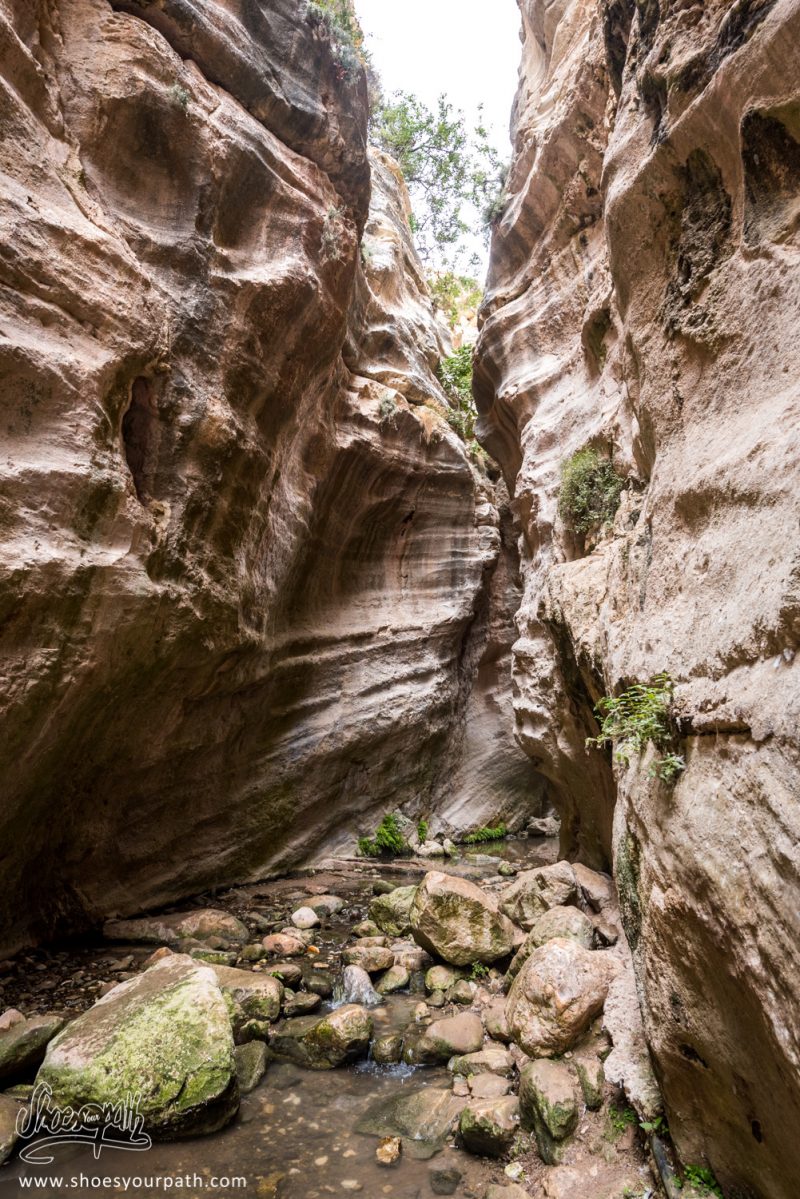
[(643, 295), (243, 562)]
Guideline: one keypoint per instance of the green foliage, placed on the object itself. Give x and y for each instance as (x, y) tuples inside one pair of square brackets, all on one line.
[(387, 842), (485, 834), (638, 717), (422, 830), (590, 491), (658, 1125), (387, 409), (620, 1118), (455, 376), (478, 971), (179, 96), (703, 1179), (447, 166), (454, 294), (339, 20)]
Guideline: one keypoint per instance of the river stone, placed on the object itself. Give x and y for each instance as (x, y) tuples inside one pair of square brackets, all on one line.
[(488, 1126), (536, 891), (340, 1036), (370, 942), (305, 918), (596, 889), (443, 1039), (511, 1190), (388, 1151), (305, 935), (391, 912), (367, 928), (491, 1059), (445, 1174), (591, 1077), (300, 1003), (356, 987), (396, 978), (495, 1022), (325, 905), (382, 886), (387, 1049), (9, 1018), (255, 952), (372, 958), (9, 1110), (284, 946), (454, 919), (462, 992), (23, 1045), (288, 973), (556, 995), (407, 954), (441, 978), (164, 1036), (423, 1118), (200, 925), (488, 1086), (252, 996), (320, 982), (431, 849), (549, 1104), (251, 1065), (557, 922), (213, 957), (437, 999)]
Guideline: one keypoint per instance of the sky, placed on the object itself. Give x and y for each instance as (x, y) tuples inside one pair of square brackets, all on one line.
[(468, 49)]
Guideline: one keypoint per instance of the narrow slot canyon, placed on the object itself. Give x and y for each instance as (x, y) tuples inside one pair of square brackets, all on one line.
[(400, 596)]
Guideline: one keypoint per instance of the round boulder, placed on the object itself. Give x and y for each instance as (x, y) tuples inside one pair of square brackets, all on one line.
[(454, 919)]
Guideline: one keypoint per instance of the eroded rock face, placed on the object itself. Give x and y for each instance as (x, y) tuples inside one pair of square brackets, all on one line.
[(643, 289), (247, 573)]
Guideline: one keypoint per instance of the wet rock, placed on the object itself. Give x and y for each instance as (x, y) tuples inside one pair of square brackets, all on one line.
[(437, 999), (391, 911), (549, 1104), (488, 1126), (536, 891), (255, 952), (280, 945), (380, 941), (178, 927), (9, 1110), (387, 1049), (453, 1036), (382, 886), (395, 979), (251, 996), (388, 1151), (305, 918), (456, 920), (325, 905), (300, 1003), (164, 1035), (423, 1117), (495, 1022), (445, 1175), (430, 849), (372, 958), (256, 920), (591, 1076), (288, 973), (450, 848), (320, 982), (367, 928), (340, 1036), (556, 995), (407, 954), (251, 1065), (491, 1059), (441, 978), (506, 870), (23, 1045), (356, 987), (305, 935), (157, 956), (213, 957), (488, 1086)]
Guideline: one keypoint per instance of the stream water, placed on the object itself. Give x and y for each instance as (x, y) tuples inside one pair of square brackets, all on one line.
[(296, 1135)]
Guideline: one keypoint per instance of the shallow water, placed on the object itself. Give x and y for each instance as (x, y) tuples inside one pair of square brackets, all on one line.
[(295, 1136)]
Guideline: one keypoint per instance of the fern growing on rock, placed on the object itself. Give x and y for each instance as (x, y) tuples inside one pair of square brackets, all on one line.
[(639, 717)]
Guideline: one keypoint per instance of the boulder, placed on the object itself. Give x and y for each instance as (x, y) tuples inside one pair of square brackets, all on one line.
[(391, 911), (488, 1086), (591, 1077), (453, 1036), (252, 996), (495, 1022), (322, 1043), (300, 1003), (441, 978), (431, 849), (456, 920), (462, 992), (407, 954), (9, 1110), (556, 995), (251, 1065), (288, 973), (367, 928), (23, 1044), (179, 927), (549, 1103), (395, 979), (445, 1174), (165, 1036), (372, 958), (534, 892), (356, 987), (596, 890), (543, 826), (557, 922), (325, 905), (491, 1059), (387, 1049), (305, 918), (320, 983), (281, 945), (488, 1126), (423, 1117)]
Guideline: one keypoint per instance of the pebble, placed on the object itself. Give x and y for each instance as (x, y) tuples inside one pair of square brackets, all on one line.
[(388, 1151)]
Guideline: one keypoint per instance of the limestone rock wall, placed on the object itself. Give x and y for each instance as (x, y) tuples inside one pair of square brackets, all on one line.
[(643, 296), (241, 559)]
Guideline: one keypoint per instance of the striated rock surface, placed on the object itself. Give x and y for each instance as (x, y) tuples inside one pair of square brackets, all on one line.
[(643, 295), (246, 572)]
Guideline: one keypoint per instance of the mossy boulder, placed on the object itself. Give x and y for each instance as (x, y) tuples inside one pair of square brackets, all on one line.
[(322, 1043), (23, 1045), (456, 920), (534, 892), (164, 1037), (488, 1126), (251, 996), (549, 1102), (395, 979), (391, 912)]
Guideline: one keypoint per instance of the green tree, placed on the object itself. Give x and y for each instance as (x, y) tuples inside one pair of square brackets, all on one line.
[(449, 169)]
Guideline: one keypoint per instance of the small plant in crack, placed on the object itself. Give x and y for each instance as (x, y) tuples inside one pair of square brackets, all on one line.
[(388, 409), (334, 234), (179, 96), (590, 491), (639, 717)]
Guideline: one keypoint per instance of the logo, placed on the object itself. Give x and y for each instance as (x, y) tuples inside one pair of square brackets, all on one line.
[(101, 1125)]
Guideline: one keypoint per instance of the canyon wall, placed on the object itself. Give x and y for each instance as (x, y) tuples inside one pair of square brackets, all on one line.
[(643, 299), (246, 572)]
